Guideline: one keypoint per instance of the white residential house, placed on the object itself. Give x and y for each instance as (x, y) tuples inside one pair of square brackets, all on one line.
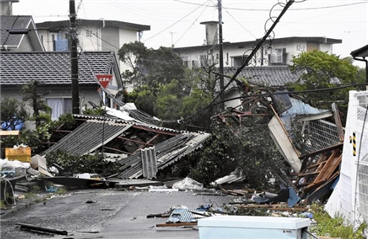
[(93, 35), (278, 51)]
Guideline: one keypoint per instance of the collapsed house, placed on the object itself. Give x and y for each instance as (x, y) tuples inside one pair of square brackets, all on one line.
[(141, 148), (309, 143)]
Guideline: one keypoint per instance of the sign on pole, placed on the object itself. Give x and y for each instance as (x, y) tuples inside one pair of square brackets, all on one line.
[(104, 80)]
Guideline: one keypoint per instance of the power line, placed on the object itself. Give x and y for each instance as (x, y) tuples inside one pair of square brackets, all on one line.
[(295, 9), (176, 21), (191, 25), (193, 116), (240, 24)]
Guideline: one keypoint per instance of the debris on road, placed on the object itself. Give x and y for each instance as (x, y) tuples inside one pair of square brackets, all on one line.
[(44, 230)]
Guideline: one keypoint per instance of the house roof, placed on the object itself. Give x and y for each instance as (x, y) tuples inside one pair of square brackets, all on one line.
[(361, 52), (246, 44), (58, 25), (18, 68), (88, 137), (13, 22), (267, 75)]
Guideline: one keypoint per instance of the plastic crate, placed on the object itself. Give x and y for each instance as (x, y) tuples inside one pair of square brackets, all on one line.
[(22, 154)]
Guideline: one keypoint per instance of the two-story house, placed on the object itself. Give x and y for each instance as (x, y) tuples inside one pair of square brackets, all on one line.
[(93, 35)]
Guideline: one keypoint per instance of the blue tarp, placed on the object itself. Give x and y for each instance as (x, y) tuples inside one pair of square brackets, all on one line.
[(6, 125)]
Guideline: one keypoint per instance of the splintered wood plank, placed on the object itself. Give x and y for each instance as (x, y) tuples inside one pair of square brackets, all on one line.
[(177, 224), (330, 167)]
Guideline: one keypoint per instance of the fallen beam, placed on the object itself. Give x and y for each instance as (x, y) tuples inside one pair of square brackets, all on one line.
[(177, 224), (34, 228)]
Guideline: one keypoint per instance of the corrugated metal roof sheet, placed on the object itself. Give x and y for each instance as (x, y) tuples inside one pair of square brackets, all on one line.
[(18, 68), (149, 162), (138, 123), (167, 153), (88, 137)]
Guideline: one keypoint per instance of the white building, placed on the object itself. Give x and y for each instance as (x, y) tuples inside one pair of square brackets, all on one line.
[(278, 51), (93, 35)]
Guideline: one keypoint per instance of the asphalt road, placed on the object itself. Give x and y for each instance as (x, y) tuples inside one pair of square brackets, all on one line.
[(105, 213)]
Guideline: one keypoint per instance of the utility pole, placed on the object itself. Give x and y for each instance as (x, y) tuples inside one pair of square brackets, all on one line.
[(74, 58), (222, 105)]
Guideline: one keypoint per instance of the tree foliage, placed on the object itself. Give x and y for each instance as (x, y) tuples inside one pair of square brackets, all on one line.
[(41, 111), (246, 146), (321, 70), (149, 66), (13, 112)]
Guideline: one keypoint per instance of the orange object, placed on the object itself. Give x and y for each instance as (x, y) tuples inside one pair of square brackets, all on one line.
[(22, 154)]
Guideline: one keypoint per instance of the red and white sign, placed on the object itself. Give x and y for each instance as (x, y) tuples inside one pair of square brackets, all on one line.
[(104, 80)]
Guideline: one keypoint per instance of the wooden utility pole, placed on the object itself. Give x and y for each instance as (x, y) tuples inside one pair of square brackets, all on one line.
[(74, 58), (221, 70)]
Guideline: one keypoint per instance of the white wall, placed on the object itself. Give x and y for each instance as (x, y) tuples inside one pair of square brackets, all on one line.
[(292, 49)]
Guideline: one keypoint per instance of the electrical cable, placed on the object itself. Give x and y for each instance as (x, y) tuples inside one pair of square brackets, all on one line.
[(5, 192), (190, 26), (299, 9), (7, 37), (193, 116), (295, 9), (239, 23), (79, 5), (176, 21), (245, 63)]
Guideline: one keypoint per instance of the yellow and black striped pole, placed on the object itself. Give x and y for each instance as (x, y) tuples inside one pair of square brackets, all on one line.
[(353, 140)]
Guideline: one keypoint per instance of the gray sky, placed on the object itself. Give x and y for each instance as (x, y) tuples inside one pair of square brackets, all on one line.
[(178, 21)]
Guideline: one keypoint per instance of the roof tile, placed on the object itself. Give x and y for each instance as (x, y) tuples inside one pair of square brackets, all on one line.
[(52, 67)]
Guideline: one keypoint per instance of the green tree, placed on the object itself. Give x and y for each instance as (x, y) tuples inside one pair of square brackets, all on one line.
[(13, 112), (322, 70), (41, 111), (149, 66)]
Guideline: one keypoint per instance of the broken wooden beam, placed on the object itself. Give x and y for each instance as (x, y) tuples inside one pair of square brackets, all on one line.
[(33, 228), (177, 224)]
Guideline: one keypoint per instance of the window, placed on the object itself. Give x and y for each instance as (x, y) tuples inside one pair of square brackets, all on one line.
[(59, 106), (238, 60), (278, 56)]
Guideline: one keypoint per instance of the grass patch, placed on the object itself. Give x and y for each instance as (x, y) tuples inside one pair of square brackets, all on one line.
[(334, 227)]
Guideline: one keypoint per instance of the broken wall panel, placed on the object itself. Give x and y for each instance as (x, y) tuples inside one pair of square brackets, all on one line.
[(284, 145)]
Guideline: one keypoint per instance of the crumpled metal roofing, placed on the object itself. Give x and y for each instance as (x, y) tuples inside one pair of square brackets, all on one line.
[(88, 137), (12, 22), (167, 153), (18, 68), (135, 122)]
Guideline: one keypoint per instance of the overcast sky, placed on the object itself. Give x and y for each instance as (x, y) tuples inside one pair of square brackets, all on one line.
[(178, 21)]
